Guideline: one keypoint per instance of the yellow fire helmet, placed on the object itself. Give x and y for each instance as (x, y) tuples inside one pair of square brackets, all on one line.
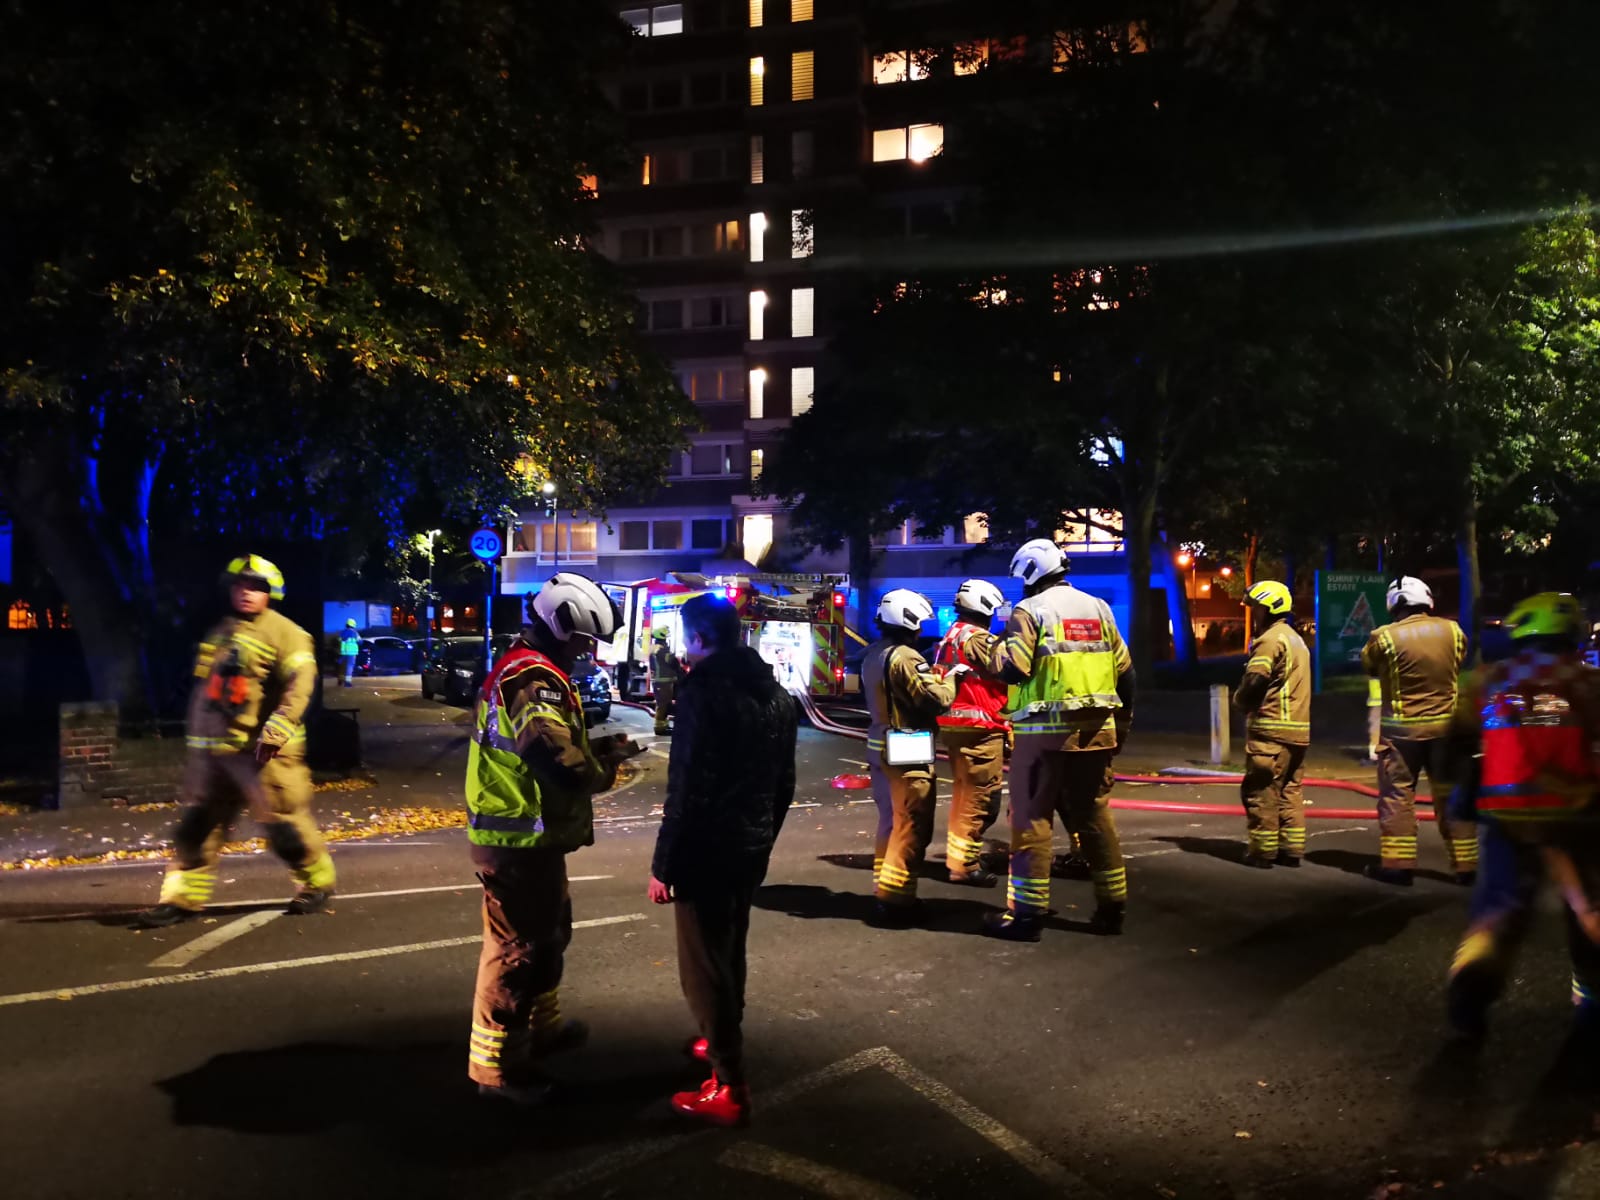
[(1548, 614), (256, 569), (1272, 596)]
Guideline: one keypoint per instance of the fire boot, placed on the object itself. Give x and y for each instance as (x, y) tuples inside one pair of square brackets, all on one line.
[(1285, 859), (1013, 927), (1466, 878), (1107, 918), (164, 916), (1259, 861), (1398, 876), (892, 916), (698, 1049), (309, 900), (716, 1103), (976, 875)]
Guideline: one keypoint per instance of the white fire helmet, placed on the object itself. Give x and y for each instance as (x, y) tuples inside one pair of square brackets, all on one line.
[(979, 596), (1408, 589), (574, 604), (1036, 559), (904, 609)]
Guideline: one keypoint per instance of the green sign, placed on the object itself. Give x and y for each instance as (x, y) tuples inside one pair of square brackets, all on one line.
[(1350, 605)]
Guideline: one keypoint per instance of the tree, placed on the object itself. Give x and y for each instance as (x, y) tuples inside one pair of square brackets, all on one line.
[(297, 268)]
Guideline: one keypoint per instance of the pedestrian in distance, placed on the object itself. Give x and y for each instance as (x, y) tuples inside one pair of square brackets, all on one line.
[(730, 782), (1415, 666), (253, 678), (349, 650), (665, 671), (1071, 712), (973, 731), (905, 696), (1533, 720), (532, 773), (1275, 696)]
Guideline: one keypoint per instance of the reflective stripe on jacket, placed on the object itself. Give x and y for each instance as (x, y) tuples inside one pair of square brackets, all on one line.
[(1416, 664), (1275, 693), (1065, 652), (980, 701), (349, 645), (1540, 718), (530, 774)]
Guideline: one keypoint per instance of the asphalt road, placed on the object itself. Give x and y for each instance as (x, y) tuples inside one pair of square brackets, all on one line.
[(1253, 1034)]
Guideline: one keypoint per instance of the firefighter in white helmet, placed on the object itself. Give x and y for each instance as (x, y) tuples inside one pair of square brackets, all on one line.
[(904, 695), (973, 731), (1071, 704), (1415, 665)]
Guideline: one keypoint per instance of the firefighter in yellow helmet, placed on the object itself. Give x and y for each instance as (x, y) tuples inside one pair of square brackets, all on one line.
[(1275, 696), (1415, 662), (1534, 787), (253, 677), (664, 672)]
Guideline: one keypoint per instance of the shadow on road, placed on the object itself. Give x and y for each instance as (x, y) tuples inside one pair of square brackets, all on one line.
[(1227, 849), (863, 862), (935, 914)]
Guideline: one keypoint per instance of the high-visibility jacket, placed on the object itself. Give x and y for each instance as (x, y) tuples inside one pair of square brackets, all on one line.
[(1416, 664), (1068, 665), (1275, 693), (902, 690), (980, 701), (349, 644), (1539, 715), (530, 772), (254, 676), (664, 665)]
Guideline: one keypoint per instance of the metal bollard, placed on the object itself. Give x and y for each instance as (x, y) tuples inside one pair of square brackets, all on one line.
[(1219, 723)]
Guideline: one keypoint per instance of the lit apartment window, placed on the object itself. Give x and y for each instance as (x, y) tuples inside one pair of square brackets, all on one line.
[(758, 393), (801, 64), (758, 316), (757, 13), (975, 529), (757, 459), (758, 166), (917, 143), (970, 57), (799, 10), (802, 384), (758, 74), (898, 66), (758, 237), (801, 302), (757, 527), (656, 21), (801, 233)]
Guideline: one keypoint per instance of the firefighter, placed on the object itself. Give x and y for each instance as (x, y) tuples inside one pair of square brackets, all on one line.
[(1275, 696), (664, 671), (904, 694), (1415, 662), (1071, 706), (253, 677), (973, 731), (349, 650), (1534, 720), (531, 773)]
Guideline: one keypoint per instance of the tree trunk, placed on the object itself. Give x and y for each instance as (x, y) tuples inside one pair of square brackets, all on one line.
[(1471, 573), (104, 603), (1139, 535)]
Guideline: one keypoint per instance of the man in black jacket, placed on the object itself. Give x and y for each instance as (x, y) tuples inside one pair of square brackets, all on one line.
[(730, 782)]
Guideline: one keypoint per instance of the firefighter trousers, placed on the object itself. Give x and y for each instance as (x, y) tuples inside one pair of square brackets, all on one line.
[(278, 796), (977, 763), (527, 926), (905, 797), (713, 926), (1274, 805), (1511, 872), (1401, 762), (1047, 781), (666, 689)]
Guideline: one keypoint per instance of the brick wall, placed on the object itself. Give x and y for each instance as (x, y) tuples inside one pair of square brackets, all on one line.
[(99, 767)]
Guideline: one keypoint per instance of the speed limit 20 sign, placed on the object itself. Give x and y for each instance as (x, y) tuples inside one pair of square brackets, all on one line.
[(486, 544)]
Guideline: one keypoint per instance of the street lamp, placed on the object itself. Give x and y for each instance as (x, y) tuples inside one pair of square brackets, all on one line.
[(549, 491), (427, 603)]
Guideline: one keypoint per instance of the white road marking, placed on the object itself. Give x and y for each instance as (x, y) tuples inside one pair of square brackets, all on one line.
[(855, 762), (860, 801), (658, 752), (207, 942), (1022, 1151), (804, 1174), (315, 960), (805, 804)]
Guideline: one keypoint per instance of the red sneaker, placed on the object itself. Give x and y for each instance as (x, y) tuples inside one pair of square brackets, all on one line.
[(698, 1049), (716, 1103)]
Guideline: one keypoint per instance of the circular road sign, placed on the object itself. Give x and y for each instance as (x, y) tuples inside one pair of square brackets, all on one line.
[(486, 544)]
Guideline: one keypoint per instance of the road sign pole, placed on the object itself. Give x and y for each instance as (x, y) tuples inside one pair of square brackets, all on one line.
[(1220, 734), (488, 622)]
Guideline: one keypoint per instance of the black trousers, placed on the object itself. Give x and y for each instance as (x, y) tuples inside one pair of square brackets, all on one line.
[(713, 924)]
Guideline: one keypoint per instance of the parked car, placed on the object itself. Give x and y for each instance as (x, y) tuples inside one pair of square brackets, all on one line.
[(456, 673), (387, 655)]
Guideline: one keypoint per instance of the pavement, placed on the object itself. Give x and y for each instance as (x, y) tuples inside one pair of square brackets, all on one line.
[(1253, 1034)]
